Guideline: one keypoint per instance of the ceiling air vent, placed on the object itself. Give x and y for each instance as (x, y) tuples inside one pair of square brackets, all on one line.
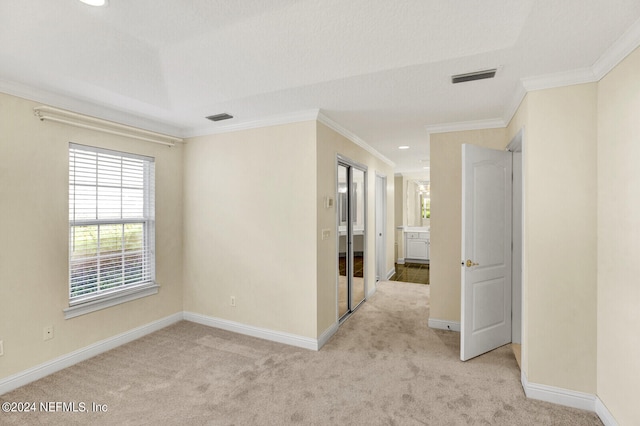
[(220, 117), (478, 75)]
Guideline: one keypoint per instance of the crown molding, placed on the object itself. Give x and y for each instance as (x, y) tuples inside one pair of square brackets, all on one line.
[(461, 126), (75, 105), (627, 43), (274, 120), (322, 118), (560, 79), (516, 100), (289, 118)]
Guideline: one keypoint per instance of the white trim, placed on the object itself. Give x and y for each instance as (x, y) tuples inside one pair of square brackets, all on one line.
[(619, 50), (110, 300), (322, 118), (492, 123), (400, 261), (516, 100), (122, 116), (391, 273), (605, 415), (249, 330), (275, 120), (566, 397), (327, 334), (39, 371), (560, 79), (444, 325), (48, 113), (615, 54)]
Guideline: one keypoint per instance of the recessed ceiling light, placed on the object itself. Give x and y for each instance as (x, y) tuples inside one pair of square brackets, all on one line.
[(403, 147), (426, 168), (95, 2)]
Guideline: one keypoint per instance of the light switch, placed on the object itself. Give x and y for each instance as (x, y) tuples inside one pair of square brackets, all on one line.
[(326, 233)]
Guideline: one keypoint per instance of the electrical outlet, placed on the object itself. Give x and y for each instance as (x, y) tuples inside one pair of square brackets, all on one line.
[(1, 348), (326, 234), (233, 301), (47, 333)]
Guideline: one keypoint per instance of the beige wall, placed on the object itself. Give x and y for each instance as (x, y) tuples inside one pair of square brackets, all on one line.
[(559, 236), (250, 205), (329, 145), (34, 223), (446, 219), (559, 316), (618, 240), (250, 211)]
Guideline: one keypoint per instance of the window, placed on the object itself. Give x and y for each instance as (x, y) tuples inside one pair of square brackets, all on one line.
[(111, 228)]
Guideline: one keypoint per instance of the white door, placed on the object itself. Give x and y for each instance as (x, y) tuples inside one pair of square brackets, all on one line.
[(486, 250)]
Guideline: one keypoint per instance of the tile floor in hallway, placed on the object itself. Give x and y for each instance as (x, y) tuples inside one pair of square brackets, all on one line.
[(412, 273)]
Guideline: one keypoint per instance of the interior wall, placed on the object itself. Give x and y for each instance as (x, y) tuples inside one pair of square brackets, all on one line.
[(560, 237), (329, 144), (446, 216), (34, 224), (618, 243), (250, 210)]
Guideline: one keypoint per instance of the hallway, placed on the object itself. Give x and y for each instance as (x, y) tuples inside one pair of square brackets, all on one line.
[(417, 273)]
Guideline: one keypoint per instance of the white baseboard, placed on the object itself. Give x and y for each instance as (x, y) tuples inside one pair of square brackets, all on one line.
[(328, 333), (603, 412), (566, 397), (400, 261), (391, 273), (371, 290), (262, 333), (39, 371), (444, 325)]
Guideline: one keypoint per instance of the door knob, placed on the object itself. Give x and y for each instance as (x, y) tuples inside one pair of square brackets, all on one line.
[(470, 263)]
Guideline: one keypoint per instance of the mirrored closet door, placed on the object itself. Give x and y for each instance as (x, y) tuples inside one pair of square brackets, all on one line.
[(351, 211)]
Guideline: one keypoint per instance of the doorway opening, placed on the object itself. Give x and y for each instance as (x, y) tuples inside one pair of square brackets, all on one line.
[(516, 149)]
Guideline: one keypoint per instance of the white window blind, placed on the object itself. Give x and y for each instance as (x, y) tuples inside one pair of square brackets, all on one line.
[(111, 223)]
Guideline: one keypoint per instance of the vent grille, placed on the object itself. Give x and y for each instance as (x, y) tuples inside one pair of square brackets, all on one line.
[(220, 117), (472, 76)]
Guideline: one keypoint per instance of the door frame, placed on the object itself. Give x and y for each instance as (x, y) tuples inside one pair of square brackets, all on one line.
[(517, 264)]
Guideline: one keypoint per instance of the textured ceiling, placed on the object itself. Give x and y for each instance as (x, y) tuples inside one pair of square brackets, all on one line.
[(379, 68)]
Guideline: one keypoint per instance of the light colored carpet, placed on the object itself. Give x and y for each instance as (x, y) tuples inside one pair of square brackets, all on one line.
[(383, 367)]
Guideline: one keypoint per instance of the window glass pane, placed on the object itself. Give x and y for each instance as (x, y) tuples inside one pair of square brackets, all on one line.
[(84, 241), (132, 203), (84, 276), (86, 202), (109, 203), (114, 193), (110, 239)]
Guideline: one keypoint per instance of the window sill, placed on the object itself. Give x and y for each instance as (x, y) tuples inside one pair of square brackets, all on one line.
[(110, 300)]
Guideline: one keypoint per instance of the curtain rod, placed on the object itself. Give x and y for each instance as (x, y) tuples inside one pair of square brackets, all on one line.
[(44, 112)]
